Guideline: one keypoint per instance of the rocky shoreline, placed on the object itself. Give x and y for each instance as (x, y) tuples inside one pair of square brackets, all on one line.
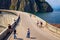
[(56, 25)]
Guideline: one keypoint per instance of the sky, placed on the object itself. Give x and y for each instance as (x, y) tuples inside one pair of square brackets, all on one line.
[(54, 3)]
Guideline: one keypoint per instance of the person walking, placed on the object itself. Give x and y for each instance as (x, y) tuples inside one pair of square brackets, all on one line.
[(28, 33), (9, 28), (15, 34), (41, 24), (37, 23)]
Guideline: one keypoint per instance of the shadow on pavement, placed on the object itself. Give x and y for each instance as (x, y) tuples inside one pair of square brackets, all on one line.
[(32, 37), (19, 38)]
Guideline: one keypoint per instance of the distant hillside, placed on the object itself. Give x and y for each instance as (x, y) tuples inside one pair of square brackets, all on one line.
[(26, 5), (32, 5)]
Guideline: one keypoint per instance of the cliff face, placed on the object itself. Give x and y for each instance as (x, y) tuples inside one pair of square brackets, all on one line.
[(43, 6), (32, 5)]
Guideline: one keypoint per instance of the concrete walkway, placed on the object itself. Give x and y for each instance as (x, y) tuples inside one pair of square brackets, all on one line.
[(36, 33), (5, 19)]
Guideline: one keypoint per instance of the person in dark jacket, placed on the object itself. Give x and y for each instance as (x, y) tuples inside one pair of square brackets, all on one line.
[(28, 33), (15, 34), (9, 28), (41, 24)]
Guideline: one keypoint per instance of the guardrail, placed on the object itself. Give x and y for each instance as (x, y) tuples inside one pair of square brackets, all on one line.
[(53, 29), (5, 32)]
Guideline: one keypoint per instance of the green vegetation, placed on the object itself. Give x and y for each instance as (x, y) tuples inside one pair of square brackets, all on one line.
[(31, 6)]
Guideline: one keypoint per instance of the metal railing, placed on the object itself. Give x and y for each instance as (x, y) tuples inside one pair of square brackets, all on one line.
[(5, 33)]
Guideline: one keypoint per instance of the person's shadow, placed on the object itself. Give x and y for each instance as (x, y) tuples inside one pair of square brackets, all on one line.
[(32, 37), (19, 38)]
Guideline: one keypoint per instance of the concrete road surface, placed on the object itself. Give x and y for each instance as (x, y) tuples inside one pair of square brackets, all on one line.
[(36, 33), (5, 19)]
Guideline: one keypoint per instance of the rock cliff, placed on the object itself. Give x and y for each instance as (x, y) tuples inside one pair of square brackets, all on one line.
[(32, 5)]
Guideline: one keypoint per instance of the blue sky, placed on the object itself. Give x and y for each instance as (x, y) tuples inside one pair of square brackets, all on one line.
[(54, 3)]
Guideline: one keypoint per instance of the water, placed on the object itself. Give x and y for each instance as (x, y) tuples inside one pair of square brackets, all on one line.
[(53, 17)]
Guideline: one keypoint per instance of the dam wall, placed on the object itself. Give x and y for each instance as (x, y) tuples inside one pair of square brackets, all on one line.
[(5, 32)]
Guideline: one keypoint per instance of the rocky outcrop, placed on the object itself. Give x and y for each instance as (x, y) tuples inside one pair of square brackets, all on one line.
[(43, 6), (26, 5), (35, 6)]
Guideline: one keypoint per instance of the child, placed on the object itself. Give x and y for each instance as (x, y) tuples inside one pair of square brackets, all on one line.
[(28, 33), (15, 34)]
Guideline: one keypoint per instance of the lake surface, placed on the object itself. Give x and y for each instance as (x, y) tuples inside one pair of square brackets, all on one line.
[(53, 17)]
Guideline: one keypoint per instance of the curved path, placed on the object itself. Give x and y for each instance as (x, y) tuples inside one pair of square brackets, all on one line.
[(5, 19), (36, 32)]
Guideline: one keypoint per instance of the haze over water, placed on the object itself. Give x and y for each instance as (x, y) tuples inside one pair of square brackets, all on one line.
[(55, 4)]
